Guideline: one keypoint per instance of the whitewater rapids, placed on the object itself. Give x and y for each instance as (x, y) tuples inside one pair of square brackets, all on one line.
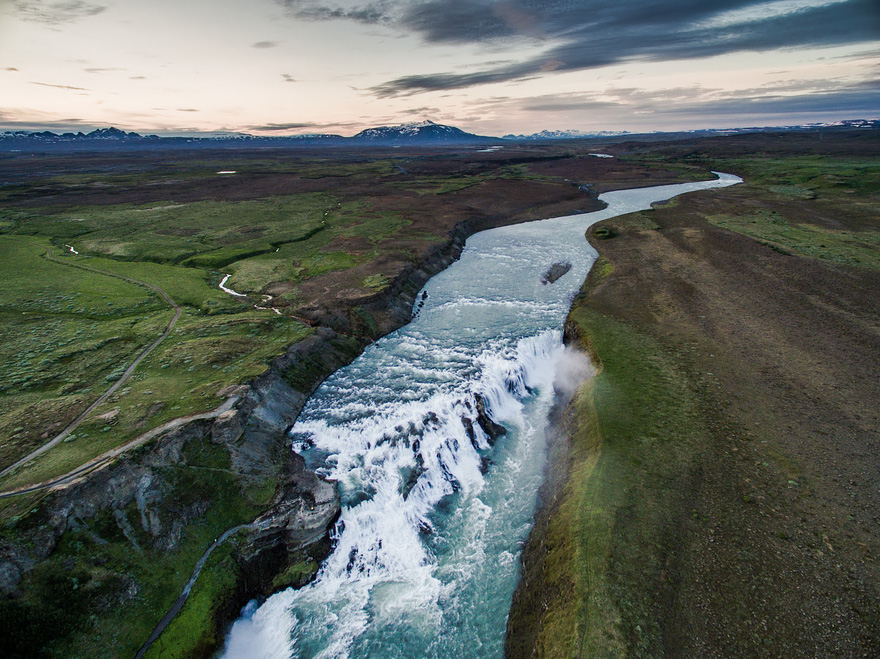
[(434, 513)]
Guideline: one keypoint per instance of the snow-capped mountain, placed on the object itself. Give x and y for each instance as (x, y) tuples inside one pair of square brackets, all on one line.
[(564, 135), (422, 132)]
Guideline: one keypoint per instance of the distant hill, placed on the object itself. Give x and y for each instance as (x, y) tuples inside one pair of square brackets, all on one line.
[(110, 139), (606, 134), (565, 135), (425, 133)]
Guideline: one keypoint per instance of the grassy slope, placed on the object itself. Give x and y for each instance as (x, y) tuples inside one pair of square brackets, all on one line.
[(838, 186), (633, 430), (65, 333), (638, 430), (103, 588), (98, 567), (81, 330)]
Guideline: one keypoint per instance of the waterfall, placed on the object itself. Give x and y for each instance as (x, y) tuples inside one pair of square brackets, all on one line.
[(436, 438)]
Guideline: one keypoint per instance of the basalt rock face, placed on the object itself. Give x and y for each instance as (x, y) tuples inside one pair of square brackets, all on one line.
[(305, 508), (131, 481), (253, 434), (493, 430)]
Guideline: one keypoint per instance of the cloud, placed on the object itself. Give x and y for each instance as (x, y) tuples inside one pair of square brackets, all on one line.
[(381, 11), (46, 84), (10, 119), (10, 68), (264, 44), (56, 13), (461, 21), (278, 127), (416, 84), (421, 111), (102, 70), (288, 78), (583, 34), (187, 110), (856, 101), (786, 102)]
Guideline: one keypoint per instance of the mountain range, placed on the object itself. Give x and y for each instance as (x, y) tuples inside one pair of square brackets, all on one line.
[(424, 133)]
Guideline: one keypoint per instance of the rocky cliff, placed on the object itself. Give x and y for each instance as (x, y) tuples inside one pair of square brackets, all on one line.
[(235, 469)]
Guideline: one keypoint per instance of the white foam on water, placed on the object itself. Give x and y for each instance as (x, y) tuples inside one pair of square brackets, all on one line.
[(434, 511)]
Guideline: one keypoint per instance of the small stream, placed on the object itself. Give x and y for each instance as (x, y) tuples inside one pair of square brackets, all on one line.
[(435, 512)]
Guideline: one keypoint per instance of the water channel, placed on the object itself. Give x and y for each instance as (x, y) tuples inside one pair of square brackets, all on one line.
[(435, 513)]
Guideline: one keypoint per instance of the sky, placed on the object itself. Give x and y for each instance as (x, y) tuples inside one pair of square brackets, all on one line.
[(491, 67)]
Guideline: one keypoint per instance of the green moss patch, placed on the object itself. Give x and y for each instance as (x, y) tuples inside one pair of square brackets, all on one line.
[(859, 248), (633, 431)]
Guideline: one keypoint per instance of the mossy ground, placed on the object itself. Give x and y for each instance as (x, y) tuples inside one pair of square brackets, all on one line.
[(787, 235), (71, 332), (629, 542), (822, 205), (103, 589), (841, 191), (633, 430)]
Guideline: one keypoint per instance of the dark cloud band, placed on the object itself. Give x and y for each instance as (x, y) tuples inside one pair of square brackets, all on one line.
[(56, 13), (582, 34)]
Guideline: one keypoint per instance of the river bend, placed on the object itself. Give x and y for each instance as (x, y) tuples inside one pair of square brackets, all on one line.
[(434, 513)]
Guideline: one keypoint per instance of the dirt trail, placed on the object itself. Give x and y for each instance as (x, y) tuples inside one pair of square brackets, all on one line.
[(125, 376), (102, 460), (184, 595)]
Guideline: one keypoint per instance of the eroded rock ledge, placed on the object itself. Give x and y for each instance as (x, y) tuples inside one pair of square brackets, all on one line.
[(140, 493)]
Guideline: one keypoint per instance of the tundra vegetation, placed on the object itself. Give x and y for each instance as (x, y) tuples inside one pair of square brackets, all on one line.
[(716, 492), (322, 240), (86, 241)]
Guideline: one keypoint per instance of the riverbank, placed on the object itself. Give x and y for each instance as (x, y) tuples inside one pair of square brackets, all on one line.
[(95, 578), (90, 569), (715, 485)]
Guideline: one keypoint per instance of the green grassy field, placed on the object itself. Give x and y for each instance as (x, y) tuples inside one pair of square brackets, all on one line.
[(65, 332), (70, 332), (818, 206), (210, 234), (859, 248)]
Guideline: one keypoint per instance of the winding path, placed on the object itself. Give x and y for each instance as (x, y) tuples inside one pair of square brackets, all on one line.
[(103, 459), (181, 600), (125, 376)]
